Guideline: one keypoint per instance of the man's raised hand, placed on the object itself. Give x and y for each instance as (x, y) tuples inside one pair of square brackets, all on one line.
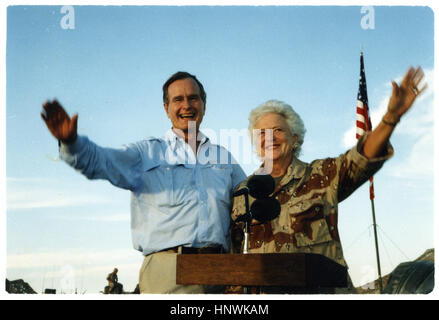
[(59, 123)]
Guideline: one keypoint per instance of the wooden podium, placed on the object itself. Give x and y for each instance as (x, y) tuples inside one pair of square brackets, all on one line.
[(302, 270)]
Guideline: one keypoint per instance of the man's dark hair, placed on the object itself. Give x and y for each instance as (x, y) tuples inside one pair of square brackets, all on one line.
[(179, 76)]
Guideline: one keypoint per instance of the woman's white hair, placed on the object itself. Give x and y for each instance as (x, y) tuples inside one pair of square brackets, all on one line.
[(294, 121)]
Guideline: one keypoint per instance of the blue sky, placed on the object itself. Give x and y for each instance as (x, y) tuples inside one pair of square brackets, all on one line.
[(66, 232)]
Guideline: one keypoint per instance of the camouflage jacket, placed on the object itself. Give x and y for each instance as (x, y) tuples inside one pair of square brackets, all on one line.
[(309, 195)]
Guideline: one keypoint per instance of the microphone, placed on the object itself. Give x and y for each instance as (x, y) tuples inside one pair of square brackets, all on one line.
[(262, 210), (258, 186), (265, 210)]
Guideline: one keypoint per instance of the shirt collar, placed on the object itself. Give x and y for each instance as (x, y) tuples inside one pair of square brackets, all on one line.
[(297, 169), (203, 138), (172, 138), (180, 150)]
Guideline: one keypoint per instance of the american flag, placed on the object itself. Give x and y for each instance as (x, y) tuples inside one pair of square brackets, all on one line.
[(363, 119)]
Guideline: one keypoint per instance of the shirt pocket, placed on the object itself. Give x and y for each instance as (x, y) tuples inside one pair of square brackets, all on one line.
[(183, 183), (218, 182), (309, 223), (157, 187)]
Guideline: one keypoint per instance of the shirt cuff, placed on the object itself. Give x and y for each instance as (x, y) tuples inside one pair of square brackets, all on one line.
[(364, 162), (72, 148)]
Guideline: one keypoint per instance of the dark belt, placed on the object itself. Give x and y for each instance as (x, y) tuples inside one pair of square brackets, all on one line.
[(203, 250)]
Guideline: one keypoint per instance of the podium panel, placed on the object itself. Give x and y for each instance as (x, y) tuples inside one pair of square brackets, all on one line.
[(272, 269)]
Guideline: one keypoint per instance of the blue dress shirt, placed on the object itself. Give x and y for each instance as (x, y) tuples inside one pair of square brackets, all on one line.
[(177, 197)]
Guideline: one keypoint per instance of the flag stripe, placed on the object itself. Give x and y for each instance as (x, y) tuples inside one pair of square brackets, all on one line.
[(361, 125)]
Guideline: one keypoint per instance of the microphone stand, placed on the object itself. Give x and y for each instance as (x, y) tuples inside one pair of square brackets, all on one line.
[(247, 233), (259, 187), (247, 224)]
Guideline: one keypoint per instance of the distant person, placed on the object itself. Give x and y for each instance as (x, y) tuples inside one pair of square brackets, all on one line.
[(309, 193), (112, 279), (180, 190)]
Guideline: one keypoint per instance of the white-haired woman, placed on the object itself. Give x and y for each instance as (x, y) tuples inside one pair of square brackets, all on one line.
[(309, 193)]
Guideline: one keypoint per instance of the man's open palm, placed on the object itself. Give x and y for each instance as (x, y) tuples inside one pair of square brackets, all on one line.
[(59, 123)]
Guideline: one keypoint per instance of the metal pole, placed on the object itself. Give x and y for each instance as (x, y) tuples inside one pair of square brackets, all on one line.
[(247, 225), (247, 234), (380, 280)]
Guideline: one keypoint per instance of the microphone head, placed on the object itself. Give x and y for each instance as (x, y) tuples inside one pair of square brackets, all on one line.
[(265, 210), (260, 186)]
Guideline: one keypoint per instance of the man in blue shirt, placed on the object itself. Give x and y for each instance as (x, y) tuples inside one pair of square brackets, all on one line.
[(181, 184)]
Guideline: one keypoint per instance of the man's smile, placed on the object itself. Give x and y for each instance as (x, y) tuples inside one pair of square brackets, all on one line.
[(189, 115)]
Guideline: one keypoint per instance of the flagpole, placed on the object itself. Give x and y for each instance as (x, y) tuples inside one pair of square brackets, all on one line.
[(366, 125), (380, 279)]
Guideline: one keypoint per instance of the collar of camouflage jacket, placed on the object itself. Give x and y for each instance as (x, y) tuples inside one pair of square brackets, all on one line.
[(296, 170)]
